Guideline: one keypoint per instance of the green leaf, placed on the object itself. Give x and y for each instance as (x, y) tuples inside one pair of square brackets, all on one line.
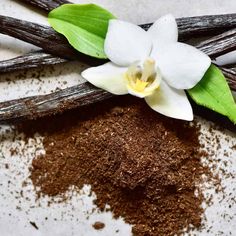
[(84, 26), (214, 93)]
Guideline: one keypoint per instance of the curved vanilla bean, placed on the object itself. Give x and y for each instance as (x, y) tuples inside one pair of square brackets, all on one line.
[(44, 37), (206, 25), (46, 5), (39, 35), (188, 26), (220, 44), (199, 26), (30, 60), (37, 59), (58, 102)]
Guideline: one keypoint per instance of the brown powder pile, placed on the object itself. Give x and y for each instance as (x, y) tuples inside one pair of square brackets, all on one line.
[(144, 165)]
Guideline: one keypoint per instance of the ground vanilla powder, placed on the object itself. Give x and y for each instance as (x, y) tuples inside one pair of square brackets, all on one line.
[(144, 165)]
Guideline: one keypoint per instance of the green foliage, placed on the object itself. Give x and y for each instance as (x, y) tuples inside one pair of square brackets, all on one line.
[(214, 93), (84, 26)]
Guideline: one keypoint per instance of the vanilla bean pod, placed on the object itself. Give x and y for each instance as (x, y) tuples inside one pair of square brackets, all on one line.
[(44, 37), (219, 44), (30, 60), (39, 35), (58, 102), (46, 5), (54, 103), (52, 42)]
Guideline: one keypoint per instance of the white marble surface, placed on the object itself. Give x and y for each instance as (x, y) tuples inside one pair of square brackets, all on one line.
[(71, 217)]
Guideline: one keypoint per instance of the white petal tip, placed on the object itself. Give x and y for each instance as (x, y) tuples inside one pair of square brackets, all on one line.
[(173, 115), (171, 102), (188, 118), (108, 77), (166, 17)]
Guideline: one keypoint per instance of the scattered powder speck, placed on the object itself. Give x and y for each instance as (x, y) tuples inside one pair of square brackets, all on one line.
[(98, 225), (219, 191)]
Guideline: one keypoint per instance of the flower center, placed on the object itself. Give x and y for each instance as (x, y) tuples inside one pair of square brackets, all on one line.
[(143, 80)]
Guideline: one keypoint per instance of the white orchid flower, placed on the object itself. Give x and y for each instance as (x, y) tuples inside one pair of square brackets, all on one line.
[(150, 64)]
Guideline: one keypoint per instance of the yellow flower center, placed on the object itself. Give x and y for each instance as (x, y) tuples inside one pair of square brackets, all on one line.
[(142, 81)]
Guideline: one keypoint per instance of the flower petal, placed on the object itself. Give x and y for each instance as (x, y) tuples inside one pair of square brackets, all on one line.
[(108, 77), (182, 66), (163, 32), (170, 102), (126, 43), (226, 59)]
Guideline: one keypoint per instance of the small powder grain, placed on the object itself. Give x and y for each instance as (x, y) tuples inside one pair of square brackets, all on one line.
[(98, 225), (144, 165)]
